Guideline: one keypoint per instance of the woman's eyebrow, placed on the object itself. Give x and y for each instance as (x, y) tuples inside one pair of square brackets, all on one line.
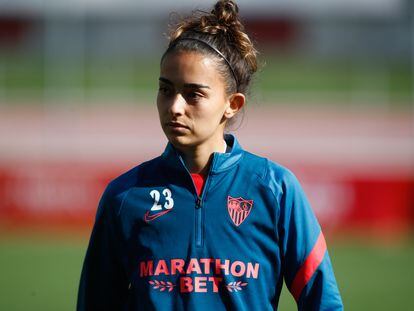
[(196, 86), (161, 79), (187, 85)]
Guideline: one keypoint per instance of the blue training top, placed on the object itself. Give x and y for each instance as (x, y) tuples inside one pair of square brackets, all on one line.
[(157, 245)]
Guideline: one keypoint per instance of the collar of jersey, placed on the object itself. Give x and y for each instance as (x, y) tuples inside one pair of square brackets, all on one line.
[(221, 161)]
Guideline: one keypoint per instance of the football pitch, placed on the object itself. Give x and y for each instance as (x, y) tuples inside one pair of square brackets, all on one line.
[(41, 272)]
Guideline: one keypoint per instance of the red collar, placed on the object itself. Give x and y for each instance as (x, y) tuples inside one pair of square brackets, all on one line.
[(199, 181)]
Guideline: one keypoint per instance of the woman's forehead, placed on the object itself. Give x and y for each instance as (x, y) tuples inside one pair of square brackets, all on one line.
[(190, 67)]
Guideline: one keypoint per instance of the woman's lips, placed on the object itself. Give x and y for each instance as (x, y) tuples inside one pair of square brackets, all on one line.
[(177, 127)]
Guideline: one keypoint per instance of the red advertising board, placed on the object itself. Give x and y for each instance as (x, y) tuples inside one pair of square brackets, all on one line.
[(68, 194)]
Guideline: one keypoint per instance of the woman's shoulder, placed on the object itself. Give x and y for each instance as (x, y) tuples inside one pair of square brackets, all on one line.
[(272, 173), (130, 178)]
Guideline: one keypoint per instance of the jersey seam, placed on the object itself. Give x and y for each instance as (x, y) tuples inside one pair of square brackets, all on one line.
[(139, 172), (122, 202), (276, 229), (267, 186)]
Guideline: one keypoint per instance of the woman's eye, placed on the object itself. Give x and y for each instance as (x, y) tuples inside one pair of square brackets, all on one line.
[(194, 95), (164, 90)]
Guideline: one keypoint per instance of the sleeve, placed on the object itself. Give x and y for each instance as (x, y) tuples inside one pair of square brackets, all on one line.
[(103, 283), (306, 265)]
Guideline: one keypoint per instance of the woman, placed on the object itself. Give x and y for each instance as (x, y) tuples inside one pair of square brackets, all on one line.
[(206, 225)]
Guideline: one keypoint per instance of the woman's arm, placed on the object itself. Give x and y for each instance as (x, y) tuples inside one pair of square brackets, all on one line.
[(103, 284), (307, 267)]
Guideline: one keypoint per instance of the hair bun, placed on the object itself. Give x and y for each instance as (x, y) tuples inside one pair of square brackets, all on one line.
[(226, 12), (223, 31)]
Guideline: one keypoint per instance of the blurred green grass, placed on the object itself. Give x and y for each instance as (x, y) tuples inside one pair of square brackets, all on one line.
[(42, 273), (279, 78)]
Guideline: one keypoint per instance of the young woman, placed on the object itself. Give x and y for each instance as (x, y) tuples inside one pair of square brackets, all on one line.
[(206, 225)]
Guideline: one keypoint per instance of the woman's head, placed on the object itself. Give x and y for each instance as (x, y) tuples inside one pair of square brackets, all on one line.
[(223, 33), (205, 73)]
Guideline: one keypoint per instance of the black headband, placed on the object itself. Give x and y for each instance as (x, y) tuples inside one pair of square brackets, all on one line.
[(211, 47)]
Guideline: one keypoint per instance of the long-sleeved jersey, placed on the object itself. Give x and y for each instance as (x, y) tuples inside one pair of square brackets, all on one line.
[(157, 245)]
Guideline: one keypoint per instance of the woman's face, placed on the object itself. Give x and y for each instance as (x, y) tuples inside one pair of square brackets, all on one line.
[(192, 102)]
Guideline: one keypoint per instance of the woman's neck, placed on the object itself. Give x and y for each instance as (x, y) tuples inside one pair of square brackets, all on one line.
[(197, 159)]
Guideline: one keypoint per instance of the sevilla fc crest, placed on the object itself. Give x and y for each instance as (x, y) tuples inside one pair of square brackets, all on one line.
[(238, 209)]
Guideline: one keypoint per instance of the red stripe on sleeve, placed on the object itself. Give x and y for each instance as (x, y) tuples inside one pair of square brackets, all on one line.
[(309, 267)]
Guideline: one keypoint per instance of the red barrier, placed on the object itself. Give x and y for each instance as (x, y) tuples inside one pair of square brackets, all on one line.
[(68, 194), (59, 193)]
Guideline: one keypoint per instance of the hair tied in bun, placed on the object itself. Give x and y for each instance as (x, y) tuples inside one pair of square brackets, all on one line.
[(226, 12)]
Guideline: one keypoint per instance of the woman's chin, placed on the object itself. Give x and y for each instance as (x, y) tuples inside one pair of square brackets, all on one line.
[(179, 140)]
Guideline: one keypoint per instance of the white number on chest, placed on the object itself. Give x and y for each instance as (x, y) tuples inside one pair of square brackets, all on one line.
[(155, 195)]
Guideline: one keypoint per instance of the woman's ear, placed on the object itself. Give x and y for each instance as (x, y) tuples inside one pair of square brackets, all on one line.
[(236, 102)]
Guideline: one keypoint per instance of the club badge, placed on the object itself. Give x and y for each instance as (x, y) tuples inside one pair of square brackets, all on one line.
[(238, 209)]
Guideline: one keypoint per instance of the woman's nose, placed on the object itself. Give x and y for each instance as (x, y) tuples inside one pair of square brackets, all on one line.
[(178, 104)]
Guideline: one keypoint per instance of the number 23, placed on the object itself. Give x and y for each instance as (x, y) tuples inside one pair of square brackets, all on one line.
[(169, 202)]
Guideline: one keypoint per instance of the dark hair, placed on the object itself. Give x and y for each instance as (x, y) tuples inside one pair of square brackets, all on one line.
[(220, 34)]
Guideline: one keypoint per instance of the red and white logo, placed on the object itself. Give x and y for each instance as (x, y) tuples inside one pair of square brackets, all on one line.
[(238, 209)]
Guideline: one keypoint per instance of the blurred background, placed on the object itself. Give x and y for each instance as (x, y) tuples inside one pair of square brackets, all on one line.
[(333, 101)]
